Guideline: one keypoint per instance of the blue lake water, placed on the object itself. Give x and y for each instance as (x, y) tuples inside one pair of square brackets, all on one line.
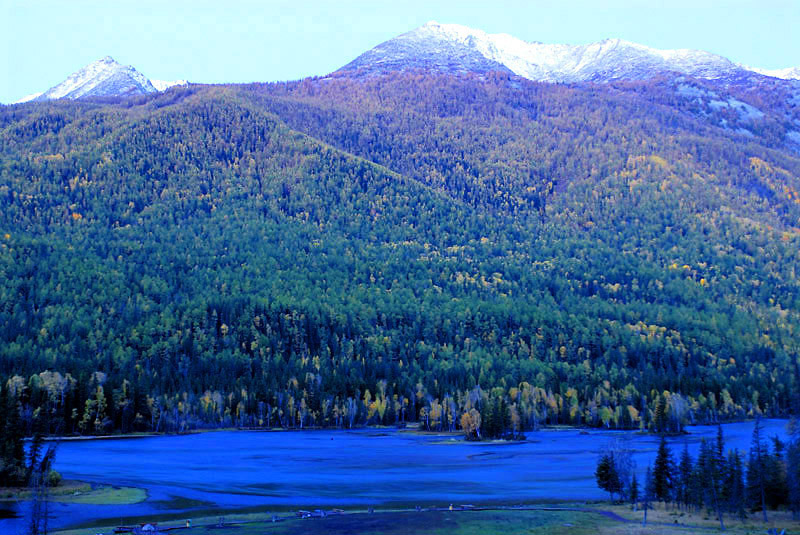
[(324, 468)]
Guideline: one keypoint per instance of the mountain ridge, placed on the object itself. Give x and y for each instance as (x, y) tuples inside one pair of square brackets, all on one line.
[(457, 48)]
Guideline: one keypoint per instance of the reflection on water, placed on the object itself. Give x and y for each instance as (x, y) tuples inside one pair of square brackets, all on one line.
[(325, 468), (8, 512)]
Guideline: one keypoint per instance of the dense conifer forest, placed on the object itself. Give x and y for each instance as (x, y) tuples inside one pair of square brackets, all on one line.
[(478, 254)]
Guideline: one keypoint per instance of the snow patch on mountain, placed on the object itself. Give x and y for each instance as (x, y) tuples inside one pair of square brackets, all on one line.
[(28, 98), (163, 85), (710, 103), (745, 111), (691, 91)]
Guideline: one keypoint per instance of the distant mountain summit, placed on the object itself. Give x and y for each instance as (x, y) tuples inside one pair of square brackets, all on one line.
[(448, 48), (452, 48), (104, 78), (791, 73)]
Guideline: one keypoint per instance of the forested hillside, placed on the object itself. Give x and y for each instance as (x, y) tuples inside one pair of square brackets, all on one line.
[(481, 253)]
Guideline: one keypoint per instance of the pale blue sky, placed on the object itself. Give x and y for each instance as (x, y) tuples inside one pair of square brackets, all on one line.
[(243, 41)]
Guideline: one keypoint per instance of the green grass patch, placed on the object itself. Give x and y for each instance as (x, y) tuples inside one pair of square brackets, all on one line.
[(600, 519), (105, 496), (406, 522), (444, 523)]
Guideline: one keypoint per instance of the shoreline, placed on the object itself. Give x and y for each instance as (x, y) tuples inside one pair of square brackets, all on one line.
[(413, 428)]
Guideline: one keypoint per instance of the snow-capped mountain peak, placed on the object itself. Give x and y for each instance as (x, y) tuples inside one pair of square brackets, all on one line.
[(104, 78), (457, 48)]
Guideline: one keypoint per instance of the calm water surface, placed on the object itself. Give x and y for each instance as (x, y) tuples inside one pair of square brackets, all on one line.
[(324, 468)]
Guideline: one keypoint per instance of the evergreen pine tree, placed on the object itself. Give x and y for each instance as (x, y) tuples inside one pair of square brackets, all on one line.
[(12, 458), (684, 479), (736, 495), (649, 492), (776, 488), (793, 468), (607, 476), (720, 463), (703, 473), (633, 492), (716, 476), (34, 452), (505, 417), (756, 468), (660, 416), (663, 470), (3, 438)]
